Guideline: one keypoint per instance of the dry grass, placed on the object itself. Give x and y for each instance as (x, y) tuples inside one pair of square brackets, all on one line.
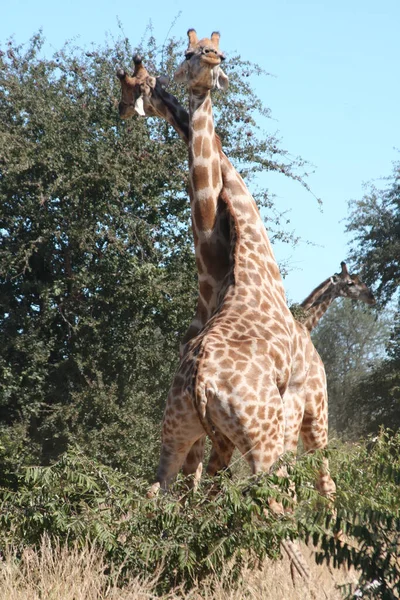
[(80, 574)]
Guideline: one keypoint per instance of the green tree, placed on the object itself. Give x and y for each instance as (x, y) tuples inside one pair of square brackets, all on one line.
[(374, 222), (351, 341), (93, 235), (97, 277), (375, 401)]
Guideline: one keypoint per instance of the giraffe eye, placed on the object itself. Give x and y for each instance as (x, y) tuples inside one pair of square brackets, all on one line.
[(349, 283)]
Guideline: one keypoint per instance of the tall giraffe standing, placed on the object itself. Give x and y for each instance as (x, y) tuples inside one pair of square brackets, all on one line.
[(248, 372), (144, 94), (341, 285)]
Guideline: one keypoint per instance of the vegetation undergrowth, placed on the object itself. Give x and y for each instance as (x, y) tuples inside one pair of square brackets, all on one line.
[(186, 535)]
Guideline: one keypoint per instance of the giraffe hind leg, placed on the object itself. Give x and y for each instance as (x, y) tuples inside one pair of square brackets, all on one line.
[(260, 440), (218, 461), (181, 429), (220, 457), (314, 434)]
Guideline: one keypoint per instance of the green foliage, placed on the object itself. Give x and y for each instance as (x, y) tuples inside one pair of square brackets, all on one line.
[(187, 535), (379, 396), (374, 222), (368, 512), (88, 260), (299, 313)]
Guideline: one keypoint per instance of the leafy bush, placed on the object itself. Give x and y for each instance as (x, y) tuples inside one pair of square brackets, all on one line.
[(368, 513), (187, 535)]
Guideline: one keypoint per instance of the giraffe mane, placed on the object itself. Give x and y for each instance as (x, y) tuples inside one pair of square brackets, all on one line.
[(315, 291)]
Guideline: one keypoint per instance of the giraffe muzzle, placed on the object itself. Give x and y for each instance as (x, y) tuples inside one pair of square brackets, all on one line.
[(211, 56)]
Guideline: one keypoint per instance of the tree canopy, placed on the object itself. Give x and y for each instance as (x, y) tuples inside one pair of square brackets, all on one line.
[(351, 339), (374, 222)]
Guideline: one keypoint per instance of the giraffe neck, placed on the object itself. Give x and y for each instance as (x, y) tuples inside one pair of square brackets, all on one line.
[(210, 220), (256, 272), (249, 243), (316, 294), (212, 247), (205, 178), (168, 108), (318, 302)]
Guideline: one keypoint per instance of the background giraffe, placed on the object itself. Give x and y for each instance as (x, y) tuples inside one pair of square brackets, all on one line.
[(339, 285), (260, 336)]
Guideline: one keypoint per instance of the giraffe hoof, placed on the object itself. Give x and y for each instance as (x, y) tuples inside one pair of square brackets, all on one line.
[(153, 491)]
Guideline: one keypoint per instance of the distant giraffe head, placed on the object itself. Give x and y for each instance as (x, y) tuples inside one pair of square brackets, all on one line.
[(201, 68), (351, 286), (137, 90), (339, 285)]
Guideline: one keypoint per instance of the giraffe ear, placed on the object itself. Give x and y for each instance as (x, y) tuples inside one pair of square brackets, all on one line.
[(151, 82), (334, 279), (215, 39), (222, 81), (139, 106), (193, 39)]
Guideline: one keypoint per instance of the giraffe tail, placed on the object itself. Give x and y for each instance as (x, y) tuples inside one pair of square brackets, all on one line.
[(201, 405)]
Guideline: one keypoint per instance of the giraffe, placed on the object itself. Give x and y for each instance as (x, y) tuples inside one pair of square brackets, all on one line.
[(339, 285), (145, 95), (252, 373)]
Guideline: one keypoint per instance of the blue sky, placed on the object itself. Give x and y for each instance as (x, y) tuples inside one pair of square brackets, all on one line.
[(334, 94)]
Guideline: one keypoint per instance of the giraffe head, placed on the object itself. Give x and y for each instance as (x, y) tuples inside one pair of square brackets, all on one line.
[(201, 68), (137, 91), (351, 286)]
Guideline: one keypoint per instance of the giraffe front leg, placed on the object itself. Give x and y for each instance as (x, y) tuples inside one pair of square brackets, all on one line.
[(193, 464)]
